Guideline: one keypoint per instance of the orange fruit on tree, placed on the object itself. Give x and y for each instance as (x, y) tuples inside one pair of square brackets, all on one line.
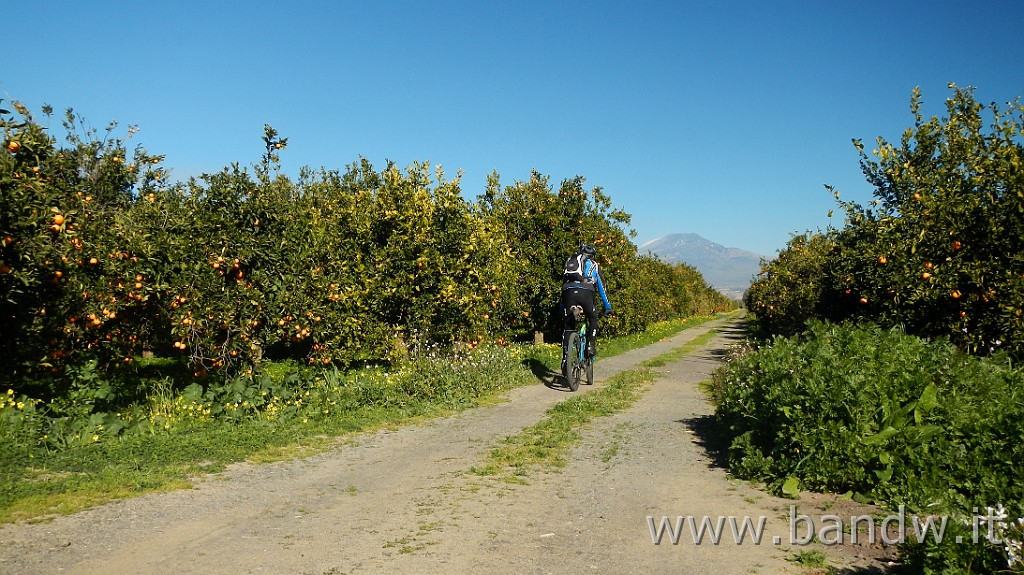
[(58, 219)]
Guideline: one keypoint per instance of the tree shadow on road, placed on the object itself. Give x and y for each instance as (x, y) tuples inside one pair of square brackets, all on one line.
[(730, 336), (712, 437)]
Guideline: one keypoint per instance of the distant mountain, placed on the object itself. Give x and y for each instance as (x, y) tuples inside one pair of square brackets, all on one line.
[(729, 270)]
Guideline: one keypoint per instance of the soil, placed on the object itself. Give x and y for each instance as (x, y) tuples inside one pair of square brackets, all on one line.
[(406, 500)]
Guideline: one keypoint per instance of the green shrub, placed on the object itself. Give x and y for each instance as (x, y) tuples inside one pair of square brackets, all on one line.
[(888, 416)]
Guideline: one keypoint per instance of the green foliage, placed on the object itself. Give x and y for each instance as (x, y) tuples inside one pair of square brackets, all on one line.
[(791, 288), (885, 415), (544, 227), (939, 249), (937, 254), (947, 557), (837, 408), (809, 559)]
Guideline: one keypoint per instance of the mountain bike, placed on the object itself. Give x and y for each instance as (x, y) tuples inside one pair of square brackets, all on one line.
[(575, 361)]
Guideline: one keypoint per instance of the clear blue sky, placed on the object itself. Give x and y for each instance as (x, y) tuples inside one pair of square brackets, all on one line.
[(720, 118)]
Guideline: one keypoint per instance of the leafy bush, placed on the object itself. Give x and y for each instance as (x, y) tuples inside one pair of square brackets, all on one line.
[(885, 415)]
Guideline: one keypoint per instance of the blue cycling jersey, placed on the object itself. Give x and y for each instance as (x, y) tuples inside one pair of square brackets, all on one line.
[(592, 280)]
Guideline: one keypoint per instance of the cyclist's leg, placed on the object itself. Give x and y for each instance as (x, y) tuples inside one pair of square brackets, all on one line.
[(590, 310)]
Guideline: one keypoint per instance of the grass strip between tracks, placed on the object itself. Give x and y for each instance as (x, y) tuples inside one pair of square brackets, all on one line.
[(544, 445)]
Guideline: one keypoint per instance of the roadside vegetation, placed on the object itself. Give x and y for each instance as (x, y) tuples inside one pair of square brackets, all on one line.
[(887, 363), (290, 411), (104, 260)]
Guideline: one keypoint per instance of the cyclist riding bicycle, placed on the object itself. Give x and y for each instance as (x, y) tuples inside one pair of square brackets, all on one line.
[(583, 281)]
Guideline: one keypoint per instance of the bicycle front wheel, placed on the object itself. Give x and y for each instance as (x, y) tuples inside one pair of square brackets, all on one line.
[(589, 368)]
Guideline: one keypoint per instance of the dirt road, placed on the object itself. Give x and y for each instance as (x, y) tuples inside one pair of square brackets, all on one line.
[(405, 501)]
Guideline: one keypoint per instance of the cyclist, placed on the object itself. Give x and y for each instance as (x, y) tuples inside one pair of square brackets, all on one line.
[(583, 281)]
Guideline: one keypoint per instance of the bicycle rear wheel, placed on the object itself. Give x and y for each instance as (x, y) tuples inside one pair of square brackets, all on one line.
[(572, 363)]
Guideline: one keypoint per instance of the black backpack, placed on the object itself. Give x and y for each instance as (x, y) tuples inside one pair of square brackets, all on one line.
[(574, 267)]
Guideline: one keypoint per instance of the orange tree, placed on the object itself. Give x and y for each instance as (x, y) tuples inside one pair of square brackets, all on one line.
[(948, 225), (651, 290), (542, 228), (527, 216), (337, 268), (102, 258), (939, 249), (791, 289), (438, 275), (58, 294)]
